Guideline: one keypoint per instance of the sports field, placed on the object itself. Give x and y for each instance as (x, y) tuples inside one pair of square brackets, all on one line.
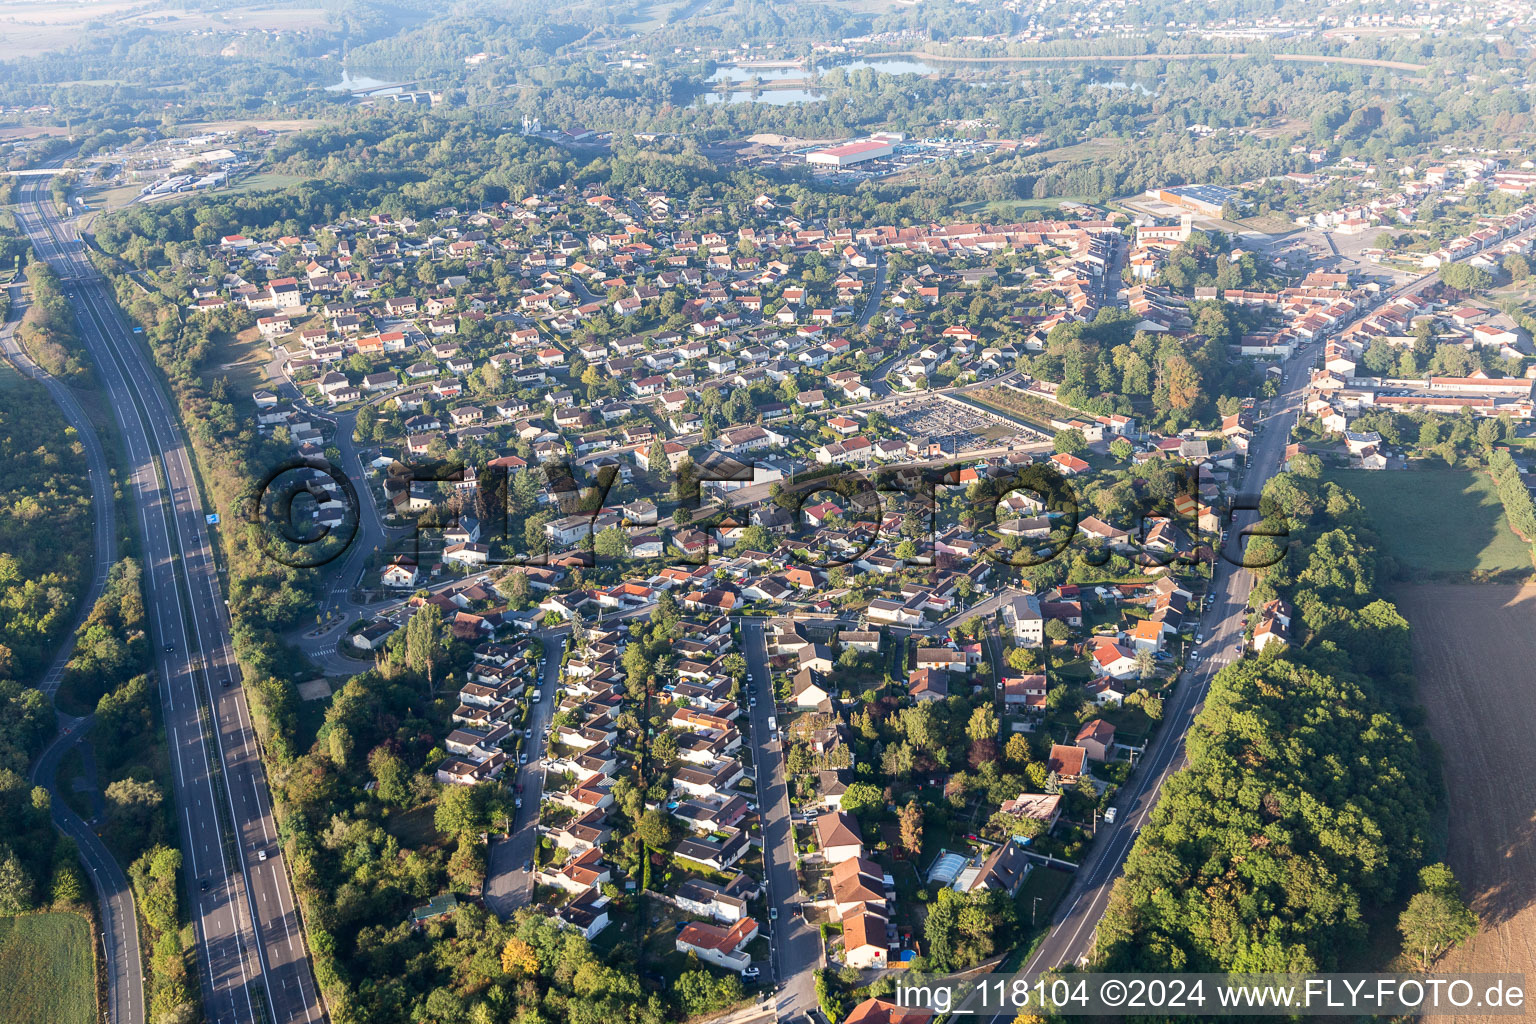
[(47, 970), (1438, 522)]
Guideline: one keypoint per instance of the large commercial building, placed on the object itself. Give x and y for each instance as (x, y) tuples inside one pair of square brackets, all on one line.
[(851, 153), (1206, 199)]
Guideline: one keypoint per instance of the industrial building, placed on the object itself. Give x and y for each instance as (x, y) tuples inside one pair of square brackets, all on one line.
[(851, 153), (1205, 199)]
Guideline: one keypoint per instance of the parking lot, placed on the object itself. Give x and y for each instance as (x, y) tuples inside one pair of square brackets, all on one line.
[(953, 426)]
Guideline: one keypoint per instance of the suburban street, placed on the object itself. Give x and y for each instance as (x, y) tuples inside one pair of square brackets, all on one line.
[(1076, 920), (876, 293), (251, 946), (1071, 937), (507, 885), (796, 944)]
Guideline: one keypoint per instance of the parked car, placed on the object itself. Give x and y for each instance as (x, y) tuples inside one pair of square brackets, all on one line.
[(773, 913), (1109, 815), (750, 973)]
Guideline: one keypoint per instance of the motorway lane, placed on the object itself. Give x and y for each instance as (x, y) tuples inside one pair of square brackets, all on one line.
[(118, 920), (795, 943), (224, 950), (507, 885), (252, 947)]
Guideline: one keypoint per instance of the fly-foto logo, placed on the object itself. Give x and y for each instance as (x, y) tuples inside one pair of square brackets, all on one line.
[(307, 513)]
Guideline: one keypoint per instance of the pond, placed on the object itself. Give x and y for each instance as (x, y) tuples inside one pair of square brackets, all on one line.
[(884, 67)]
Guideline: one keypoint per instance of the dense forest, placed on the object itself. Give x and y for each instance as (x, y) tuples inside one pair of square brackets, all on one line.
[(45, 531), (1310, 799), (45, 556)]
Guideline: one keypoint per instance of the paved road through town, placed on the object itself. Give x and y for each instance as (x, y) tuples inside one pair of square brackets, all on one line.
[(507, 885), (1076, 920), (796, 944)]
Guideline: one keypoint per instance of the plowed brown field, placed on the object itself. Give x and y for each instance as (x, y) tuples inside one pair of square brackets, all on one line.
[(1474, 650)]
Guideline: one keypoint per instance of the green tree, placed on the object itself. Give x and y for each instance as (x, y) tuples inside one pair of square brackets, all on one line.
[(1023, 659), (612, 543), (391, 775), (656, 459), (1069, 441), (68, 886), (1437, 918), (982, 724), (911, 822), (862, 797), (1016, 825), (655, 829), (16, 895), (425, 640), (461, 809)]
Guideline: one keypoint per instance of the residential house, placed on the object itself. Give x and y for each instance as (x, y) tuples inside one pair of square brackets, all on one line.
[(838, 837), (1098, 739)]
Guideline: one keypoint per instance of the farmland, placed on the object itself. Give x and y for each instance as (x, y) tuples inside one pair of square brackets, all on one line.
[(1473, 647), (47, 970), (1439, 522)]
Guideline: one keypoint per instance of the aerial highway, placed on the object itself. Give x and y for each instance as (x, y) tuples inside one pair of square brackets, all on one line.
[(118, 920), (251, 945)]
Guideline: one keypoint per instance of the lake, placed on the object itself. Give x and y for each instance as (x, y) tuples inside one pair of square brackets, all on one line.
[(786, 97), (884, 67)]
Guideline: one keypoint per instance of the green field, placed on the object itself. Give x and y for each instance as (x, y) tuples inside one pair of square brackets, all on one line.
[(1438, 521), (47, 970)]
